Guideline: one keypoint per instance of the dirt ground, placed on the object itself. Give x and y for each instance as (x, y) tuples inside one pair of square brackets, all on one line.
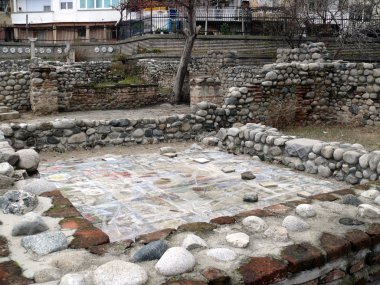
[(151, 112)]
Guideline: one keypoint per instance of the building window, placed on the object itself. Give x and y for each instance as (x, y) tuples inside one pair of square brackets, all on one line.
[(47, 8), (82, 32), (3, 5), (66, 5), (97, 4)]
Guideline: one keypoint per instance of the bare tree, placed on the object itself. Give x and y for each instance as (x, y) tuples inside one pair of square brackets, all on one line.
[(125, 7), (356, 23), (190, 32)]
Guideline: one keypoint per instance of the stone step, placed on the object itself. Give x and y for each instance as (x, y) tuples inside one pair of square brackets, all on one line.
[(4, 109), (9, 115)]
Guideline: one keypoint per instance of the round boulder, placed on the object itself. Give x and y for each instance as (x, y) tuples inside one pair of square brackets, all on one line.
[(176, 260), (18, 202), (119, 272), (28, 159)]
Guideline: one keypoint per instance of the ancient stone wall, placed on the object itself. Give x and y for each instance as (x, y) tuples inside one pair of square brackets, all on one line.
[(14, 90), (66, 134), (205, 88), (306, 53), (113, 97), (43, 90), (15, 81), (344, 162)]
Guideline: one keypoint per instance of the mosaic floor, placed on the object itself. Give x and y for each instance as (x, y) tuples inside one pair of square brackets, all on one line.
[(130, 195)]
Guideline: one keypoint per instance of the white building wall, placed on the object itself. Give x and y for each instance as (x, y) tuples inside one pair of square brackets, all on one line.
[(36, 15)]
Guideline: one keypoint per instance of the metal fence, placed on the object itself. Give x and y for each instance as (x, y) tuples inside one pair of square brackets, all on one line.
[(226, 21), (245, 21)]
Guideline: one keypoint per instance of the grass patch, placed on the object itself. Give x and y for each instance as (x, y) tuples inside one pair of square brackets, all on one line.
[(104, 84), (132, 79), (369, 137)]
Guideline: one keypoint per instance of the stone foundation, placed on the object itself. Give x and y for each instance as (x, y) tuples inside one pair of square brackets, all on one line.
[(44, 90), (205, 89)]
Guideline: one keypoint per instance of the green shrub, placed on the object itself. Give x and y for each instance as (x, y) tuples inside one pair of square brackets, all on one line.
[(224, 29)]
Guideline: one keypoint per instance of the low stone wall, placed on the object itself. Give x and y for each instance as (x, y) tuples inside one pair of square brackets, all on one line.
[(342, 161), (113, 97), (62, 135)]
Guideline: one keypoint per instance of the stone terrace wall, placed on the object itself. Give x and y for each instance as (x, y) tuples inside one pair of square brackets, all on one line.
[(162, 70)]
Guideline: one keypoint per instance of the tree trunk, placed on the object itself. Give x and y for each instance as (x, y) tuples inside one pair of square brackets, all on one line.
[(182, 68)]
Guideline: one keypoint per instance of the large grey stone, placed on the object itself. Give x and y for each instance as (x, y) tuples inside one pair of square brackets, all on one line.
[(255, 224), (45, 243), (351, 157), (374, 160), (324, 171), (277, 233), (28, 159), (119, 272), (151, 251), (167, 149), (193, 241), (77, 138), (9, 155), (47, 275), (73, 279), (6, 169), (233, 132), (368, 211), (370, 194), (5, 182), (300, 147), (18, 202), (238, 239), (295, 224), (306, 210), (138, 133), (31, 224), (350, 199), (221, 254), (176, 260), (38, 186), (271, 75), (64, 124)]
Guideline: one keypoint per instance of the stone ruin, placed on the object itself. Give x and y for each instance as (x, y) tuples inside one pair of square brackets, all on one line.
[(327, 238)]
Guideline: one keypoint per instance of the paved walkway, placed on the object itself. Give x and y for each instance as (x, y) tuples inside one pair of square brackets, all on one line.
[(127, 196)]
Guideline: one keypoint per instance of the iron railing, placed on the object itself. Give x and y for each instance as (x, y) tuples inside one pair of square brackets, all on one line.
[(225, 21)]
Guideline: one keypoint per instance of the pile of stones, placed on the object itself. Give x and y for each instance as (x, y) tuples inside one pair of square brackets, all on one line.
[(14, 165)]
